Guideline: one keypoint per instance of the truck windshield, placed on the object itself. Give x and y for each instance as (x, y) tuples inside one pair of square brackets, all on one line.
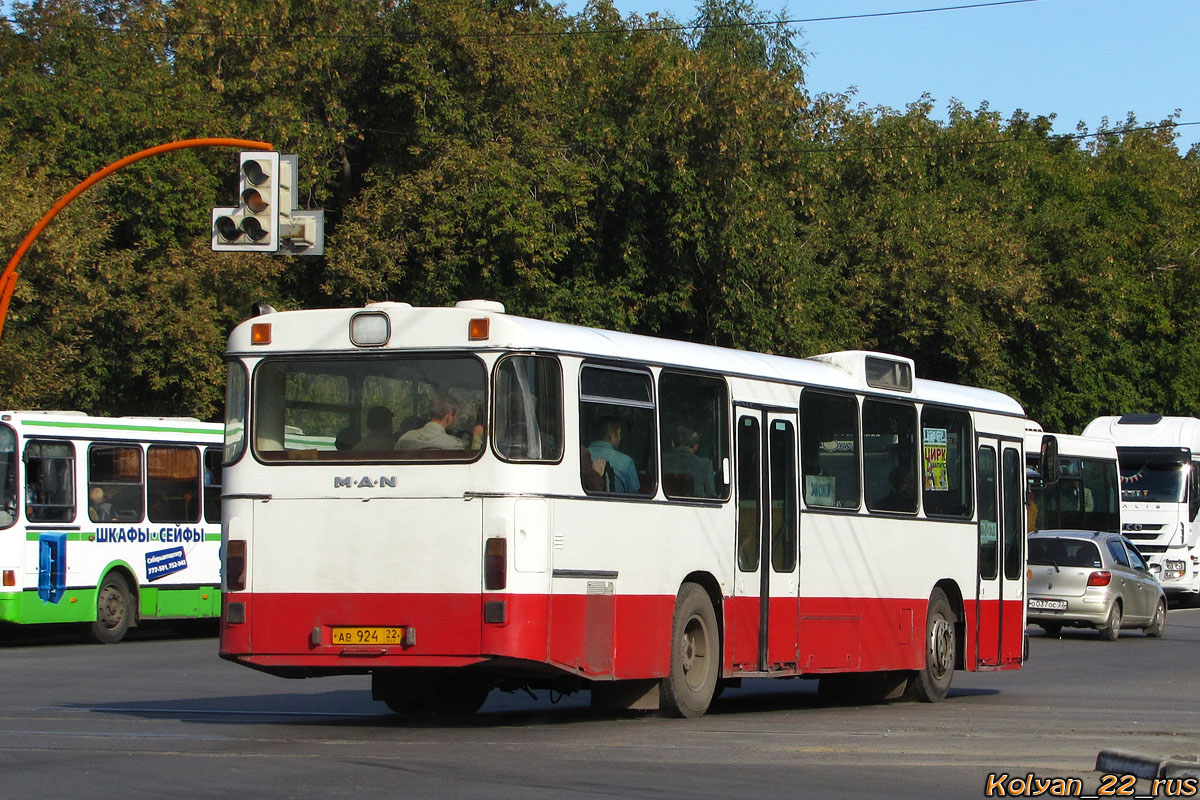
[(1146, 482), (406, 408), (8, 476)]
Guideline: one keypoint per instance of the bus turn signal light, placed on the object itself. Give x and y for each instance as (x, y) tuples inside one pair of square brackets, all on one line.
[(260, 333), (10, 577), (478, 329)]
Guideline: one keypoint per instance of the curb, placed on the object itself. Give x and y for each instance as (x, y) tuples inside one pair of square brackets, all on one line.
[(1118, 762)]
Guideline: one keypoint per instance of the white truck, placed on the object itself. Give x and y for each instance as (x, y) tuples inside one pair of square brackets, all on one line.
[(1160, 493)]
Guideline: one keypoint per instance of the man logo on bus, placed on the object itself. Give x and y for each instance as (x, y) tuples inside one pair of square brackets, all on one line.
[(365, 483)]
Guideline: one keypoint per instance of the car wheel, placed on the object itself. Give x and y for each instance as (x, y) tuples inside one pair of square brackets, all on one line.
[(1155, 628), (1112, 627), (1052, 629)]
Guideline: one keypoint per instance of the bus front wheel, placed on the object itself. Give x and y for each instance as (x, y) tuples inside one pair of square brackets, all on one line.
[(931, 683), (114, 610), (688, 689)]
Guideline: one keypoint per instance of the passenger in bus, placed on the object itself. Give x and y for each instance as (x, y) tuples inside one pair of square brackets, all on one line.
[(379, 430), (99, 509), (684, 471), (606, 438), (592, 472), (411, 423), (903, 493), (345, 440), (434, 434)]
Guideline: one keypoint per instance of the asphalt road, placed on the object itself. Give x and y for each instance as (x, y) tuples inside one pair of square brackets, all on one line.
[(160, 715)]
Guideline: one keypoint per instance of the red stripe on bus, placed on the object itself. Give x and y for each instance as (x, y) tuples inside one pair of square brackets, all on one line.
[(600, 636)]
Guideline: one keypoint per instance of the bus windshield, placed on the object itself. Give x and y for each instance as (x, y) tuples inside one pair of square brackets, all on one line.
[(8, 476), (370, 408), (1147, 482)]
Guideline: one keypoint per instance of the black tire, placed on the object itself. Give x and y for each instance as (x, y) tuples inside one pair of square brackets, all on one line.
[(1111, 629), (931, 683), (1159, 622), (689, 687), (1052, 629), (114, 610)]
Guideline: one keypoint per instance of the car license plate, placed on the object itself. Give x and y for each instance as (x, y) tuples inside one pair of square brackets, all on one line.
[(1047, 605), (372, 635)]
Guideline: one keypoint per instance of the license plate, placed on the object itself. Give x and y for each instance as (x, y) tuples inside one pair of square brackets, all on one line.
[(373, 635), (1048, 605)]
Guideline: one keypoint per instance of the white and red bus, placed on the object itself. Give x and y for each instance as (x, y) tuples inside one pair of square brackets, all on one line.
[(456, 499)]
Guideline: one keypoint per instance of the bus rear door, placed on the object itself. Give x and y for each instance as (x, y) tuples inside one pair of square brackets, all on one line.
[(764, 615)]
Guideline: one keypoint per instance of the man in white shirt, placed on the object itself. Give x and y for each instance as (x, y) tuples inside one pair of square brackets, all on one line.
[(433, 435)]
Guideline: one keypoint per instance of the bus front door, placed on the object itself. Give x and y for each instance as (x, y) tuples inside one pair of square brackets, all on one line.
[(1000, 596), (763, 621)]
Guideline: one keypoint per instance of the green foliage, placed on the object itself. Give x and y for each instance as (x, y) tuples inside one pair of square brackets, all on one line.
[(625, 173)]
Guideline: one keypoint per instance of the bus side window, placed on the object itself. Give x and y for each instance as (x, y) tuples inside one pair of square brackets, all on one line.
[(946, 462), (693, 435), (173, 483), (890, 455), (212, 485), (528, 409), (616, 422), (829, 449), (117, 470), (49, 481)]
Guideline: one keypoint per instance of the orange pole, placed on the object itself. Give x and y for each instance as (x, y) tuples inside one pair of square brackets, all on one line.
[(8, 280)]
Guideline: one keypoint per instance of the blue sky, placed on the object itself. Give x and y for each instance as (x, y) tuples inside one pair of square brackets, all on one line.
[(1082, 60)]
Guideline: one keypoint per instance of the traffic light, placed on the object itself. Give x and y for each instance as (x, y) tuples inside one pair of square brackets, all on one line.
[(266, 219), (254, 224)]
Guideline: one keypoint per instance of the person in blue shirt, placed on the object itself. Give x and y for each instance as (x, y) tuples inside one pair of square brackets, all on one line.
[(606, 438)]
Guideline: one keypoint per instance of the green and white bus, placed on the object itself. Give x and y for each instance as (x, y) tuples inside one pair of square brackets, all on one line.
[(108, 521)]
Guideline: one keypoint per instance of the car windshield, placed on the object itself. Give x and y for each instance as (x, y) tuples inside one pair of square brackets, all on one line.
[(1064, 552)]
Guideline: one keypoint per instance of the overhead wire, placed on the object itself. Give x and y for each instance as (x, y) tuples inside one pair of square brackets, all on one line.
[(663, 27)]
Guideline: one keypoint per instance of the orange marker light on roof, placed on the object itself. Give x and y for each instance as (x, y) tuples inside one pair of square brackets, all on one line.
[(478, 328), (260, 333)]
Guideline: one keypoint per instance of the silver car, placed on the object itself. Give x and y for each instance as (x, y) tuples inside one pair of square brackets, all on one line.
[(1089, 579)]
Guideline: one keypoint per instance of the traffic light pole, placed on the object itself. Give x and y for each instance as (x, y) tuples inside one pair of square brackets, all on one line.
[(8, 279)]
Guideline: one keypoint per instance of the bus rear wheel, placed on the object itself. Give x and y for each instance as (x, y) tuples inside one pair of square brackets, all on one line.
[(931, 683), (689, 687), (114, 610)]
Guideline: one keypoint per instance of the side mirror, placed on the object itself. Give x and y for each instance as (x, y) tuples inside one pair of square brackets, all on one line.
[(1155, 569), (1048, 461)]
